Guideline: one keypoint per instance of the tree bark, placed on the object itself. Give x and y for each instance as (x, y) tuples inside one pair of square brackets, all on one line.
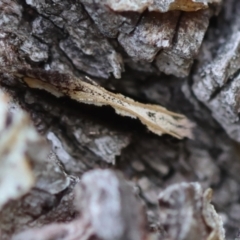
[(186, 61)]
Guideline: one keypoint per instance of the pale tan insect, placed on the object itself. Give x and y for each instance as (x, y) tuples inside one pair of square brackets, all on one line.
[(157, 119)]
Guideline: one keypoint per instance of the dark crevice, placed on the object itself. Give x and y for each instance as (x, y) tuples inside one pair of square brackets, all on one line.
[(225, 86)]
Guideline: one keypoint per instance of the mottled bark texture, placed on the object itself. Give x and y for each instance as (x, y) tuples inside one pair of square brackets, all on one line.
[(85, 172)]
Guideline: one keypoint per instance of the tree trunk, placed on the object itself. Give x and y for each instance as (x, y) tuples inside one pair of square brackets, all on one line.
[(185, 57)]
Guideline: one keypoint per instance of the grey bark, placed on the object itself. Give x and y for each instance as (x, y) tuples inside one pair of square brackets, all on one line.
[(129, 52)]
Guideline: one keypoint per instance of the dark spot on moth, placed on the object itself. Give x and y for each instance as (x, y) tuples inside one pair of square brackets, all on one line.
[(79, 89), (151, 115)]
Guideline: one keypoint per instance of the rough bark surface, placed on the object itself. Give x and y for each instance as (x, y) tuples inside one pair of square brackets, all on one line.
[(102, 176)]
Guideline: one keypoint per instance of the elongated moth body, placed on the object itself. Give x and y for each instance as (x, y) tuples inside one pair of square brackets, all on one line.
[(157, 119)]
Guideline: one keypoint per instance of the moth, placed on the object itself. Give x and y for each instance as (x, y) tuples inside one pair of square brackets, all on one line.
[(157, 119)]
